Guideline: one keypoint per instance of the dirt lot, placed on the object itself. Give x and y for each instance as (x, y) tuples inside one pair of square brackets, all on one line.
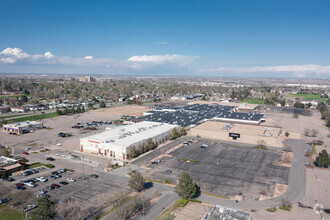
[(224, 169), (298, 125), (131, 110), (192, 211), (46, 138)]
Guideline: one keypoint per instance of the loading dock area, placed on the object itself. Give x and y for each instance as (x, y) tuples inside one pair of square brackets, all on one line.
[(243, 133)]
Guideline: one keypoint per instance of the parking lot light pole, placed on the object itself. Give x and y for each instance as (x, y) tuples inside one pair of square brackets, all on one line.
[(83, 167), (143, 207)]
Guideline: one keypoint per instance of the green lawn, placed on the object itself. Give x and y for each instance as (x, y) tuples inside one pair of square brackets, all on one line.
[(307, 97), (9, 213), (313, 149), (253, 101), (167, 213), (34, 117), (14, 96), (11, 116)]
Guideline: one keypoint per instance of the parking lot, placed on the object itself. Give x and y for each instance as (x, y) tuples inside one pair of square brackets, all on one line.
[(223, 168), (90, 192)]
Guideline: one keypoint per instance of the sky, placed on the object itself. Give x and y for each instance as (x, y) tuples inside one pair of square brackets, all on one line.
[(263, 38)]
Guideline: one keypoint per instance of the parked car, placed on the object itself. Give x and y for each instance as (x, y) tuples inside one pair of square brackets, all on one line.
[(70, 180), (61, 171), (94, 176), (31, 184), (53, 177), (42, 191), (50, 158), (34, 171), (64, 183), (18, 184), (30, 207), (9, 179), (57, 175), (168, 171), (50, 187), (42, 179), (28, 148), (55, 185), (4, 200), (20, 187), (25, 153)]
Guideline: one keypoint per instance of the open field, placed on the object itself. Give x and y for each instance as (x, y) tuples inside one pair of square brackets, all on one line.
[(223, 169), (253, 101), (305, 97), (131, 110)]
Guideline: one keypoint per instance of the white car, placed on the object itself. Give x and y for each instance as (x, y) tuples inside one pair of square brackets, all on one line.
[(59, 144), (70, 180), (42, 179), (30, 207), (31, 184), (28, 148)]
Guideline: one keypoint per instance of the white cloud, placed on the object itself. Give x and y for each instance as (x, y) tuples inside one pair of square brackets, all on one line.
[(179, 59), (162, 42), (89, 57), (297, 70), (153, 63)]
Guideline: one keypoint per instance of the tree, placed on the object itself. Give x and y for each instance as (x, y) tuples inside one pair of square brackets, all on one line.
[(323, 160), (65, 111), (299, 105), (140, 149), (136, 182), (59, 112), (186, 188), (70, 210), (283, 102), (150, 144), (287, 134), (132, 152), (44, 210), (6, 153), (183, 131), (174, 134), (78, 109), (94, 99), (23, 98), (4, 175), (102, 104)]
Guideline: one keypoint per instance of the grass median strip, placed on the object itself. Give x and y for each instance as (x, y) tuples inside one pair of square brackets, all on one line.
[(271, 210), (38, 164), (216, 195)]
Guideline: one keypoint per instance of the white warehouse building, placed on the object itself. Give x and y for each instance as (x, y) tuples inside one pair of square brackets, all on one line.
[(115, 142)]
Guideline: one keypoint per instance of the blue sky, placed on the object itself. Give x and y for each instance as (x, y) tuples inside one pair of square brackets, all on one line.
[(181, 37)]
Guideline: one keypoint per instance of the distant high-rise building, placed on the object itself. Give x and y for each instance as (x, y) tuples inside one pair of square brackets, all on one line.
[(87, 79)]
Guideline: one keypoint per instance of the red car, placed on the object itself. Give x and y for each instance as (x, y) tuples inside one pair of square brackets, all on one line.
[(19, 184), (25, 153), (55, 185)]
